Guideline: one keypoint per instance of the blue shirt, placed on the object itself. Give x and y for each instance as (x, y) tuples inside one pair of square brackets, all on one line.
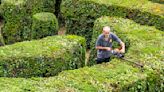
[(102, 42)]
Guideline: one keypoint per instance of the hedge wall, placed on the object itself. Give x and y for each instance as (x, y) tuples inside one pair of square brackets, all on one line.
[(145, 44), (114, 77), (44, 24), (18, 17), (45, 57), (80, 14)]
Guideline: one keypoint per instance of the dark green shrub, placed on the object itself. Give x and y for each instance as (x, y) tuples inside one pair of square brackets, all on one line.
[(45, 57), (18, 17), (44, 24), (80, 14)]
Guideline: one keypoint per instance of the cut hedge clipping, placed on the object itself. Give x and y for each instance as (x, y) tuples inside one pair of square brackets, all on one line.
[(81, 14), (44, 24), (45, 57), (18, 14)]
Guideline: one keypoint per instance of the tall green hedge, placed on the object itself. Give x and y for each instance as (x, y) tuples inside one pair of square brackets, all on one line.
[(45, 57), (142, 42), (114, 77), (44, 24), (80, 14), (18, 17), (145, 44)]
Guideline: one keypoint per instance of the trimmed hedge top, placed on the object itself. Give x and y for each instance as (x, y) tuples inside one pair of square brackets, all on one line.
[(14, 2), (144, 5), (44, 24), (45, 57), (44, 16), (44, 46)]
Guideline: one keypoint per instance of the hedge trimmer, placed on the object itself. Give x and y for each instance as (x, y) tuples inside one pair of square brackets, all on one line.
[(121, 56)]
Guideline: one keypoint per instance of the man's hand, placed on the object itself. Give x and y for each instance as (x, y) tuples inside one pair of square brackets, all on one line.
[(108, 48), (122, 50)]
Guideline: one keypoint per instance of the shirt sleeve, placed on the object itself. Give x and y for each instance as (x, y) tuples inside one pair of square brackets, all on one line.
[(98, 42), (115, 38)]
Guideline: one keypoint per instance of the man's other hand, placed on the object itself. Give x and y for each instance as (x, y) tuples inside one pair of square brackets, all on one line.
[(122, 51)]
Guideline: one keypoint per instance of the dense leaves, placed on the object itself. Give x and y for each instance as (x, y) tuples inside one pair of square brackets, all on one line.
[(45, 57), (116, 76), (146, 44), (143, 40), (28, 19), (80, 14), (18, 17), (44, 24)]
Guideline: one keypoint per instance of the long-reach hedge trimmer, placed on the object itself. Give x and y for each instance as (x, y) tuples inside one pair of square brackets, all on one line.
[(121, 56)]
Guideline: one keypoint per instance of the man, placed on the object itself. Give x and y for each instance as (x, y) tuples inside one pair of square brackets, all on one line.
[(104, 45)]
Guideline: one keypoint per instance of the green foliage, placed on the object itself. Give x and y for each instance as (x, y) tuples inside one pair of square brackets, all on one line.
[(45, 57), (18, 17), (44, 24), (80, 14), (144, 41), (116, 76), (51, 55), (145, 45), (97, 30)]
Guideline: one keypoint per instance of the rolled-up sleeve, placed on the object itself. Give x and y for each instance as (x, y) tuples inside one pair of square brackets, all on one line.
[(115, 38)]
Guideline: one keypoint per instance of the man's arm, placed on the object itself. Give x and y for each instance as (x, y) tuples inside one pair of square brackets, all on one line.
[(122, 47), (103, 48), (99, 45), (122, 44)]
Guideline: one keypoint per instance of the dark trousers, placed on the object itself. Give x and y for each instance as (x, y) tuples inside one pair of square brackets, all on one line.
[(100, 60)]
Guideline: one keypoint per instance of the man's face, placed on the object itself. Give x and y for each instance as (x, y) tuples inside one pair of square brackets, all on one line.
[(106, 33)]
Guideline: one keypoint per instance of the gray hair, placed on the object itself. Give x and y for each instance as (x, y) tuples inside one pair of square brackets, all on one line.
[(106, 28)]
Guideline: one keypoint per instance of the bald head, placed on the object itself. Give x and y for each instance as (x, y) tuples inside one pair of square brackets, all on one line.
[(106, 31)]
